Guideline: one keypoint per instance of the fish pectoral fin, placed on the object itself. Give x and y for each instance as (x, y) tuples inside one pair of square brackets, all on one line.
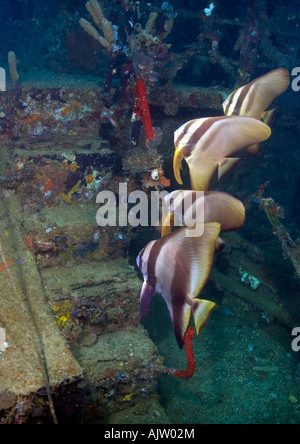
[(168, 224), (147, 294), (227, 165), (202, 311)]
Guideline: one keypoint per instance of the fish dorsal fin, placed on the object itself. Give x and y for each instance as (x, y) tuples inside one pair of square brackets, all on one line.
[(232, 135), (225, 209), (255, 98), (264, 91), (209, 206)]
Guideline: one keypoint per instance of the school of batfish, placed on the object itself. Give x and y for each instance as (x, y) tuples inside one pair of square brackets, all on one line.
[(178, 265)]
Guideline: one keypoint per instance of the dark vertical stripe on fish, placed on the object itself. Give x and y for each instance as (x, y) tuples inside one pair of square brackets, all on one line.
[(205, 126), (153, 255), (240, 101), (179, 290), (184, 132)]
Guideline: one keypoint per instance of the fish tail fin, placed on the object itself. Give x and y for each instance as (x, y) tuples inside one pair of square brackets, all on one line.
[(202, 311), (177, 164)]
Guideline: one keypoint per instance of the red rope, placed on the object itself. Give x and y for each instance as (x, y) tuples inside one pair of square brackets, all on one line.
[(141, 108)]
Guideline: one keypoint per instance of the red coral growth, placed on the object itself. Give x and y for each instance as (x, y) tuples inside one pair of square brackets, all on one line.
[(191, 362), (141, 108)]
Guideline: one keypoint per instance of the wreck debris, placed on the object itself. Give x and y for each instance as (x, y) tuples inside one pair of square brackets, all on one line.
[(13, 72), (290, 248)]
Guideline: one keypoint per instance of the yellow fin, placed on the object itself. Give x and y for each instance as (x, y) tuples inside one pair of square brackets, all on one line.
[(201, 173), (202, 311), (167, 225), (177, 165)]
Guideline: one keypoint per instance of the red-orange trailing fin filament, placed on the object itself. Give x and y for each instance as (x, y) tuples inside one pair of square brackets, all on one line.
[(191, 362)]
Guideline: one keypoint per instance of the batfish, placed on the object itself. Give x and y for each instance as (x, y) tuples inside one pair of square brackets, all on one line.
[(207, 144), (256, 97), (209, 206), (178, 267)]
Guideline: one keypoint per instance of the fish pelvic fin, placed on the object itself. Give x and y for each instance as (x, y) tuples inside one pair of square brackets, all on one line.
[(177, 164), (202, 311), (167, 224)]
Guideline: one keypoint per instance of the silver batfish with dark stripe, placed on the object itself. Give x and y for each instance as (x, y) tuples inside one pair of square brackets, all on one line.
[(187, 207), (254, 99), (178, 266), (207, 144)]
